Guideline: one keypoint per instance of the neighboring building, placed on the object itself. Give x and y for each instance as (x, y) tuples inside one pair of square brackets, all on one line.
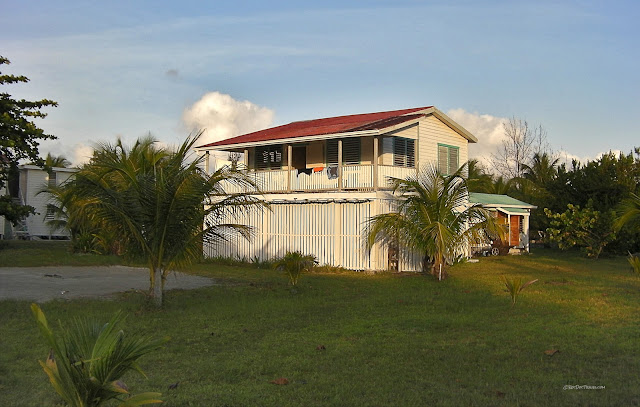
[(512, 213), (32, 179), (325, 178)]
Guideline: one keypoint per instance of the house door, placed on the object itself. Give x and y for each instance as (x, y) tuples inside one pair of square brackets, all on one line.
[(514, 230), (299, 158)]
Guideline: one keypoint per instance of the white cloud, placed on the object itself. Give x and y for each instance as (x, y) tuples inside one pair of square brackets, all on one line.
[(221, 117), (81, 154), (489, 130)]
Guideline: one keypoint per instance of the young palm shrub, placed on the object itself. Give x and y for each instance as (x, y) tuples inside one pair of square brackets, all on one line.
[(294, 264), (433, 218), (88, 359), (515, 287)]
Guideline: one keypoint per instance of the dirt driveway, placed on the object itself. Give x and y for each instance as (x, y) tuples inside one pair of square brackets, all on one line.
[(43, 284)]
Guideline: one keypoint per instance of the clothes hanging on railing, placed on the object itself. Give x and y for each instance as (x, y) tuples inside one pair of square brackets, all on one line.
[(332, 172), (318, 169), (307, 171)]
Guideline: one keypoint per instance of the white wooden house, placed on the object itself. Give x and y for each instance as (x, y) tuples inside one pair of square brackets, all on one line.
[(32, 179), (325, 178)]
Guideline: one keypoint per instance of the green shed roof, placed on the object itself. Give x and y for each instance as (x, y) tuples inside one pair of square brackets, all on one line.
[(497, 200)]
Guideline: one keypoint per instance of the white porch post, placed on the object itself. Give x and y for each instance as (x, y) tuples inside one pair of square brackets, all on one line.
[(246, 158), (340, 164), (289, 163), (375, 163), (206, 162)]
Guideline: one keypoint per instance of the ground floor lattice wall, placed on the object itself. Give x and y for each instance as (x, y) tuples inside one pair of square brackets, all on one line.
[(331, 230)]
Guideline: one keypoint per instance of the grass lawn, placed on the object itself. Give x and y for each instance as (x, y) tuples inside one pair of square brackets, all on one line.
[(23, 253), (390, 340)]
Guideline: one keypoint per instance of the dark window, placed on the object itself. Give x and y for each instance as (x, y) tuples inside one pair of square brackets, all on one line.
[(350, 151), (268, 158), (403, 152), (448, 159)]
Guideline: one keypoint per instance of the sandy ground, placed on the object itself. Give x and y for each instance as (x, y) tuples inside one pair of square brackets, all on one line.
[(43, 284)]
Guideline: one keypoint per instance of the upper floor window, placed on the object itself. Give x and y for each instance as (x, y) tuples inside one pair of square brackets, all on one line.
[(448, 159), (403, 152), (268, 157), (350, 151)]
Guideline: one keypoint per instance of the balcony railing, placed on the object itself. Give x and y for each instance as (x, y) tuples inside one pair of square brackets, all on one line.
[(353, 178)]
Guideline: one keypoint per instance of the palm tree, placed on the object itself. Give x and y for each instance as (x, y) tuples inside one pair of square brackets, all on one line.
[(540, 173), (478, 180), (59, 161), (88, 359), (160, 204), (434, 218), (629, 211)]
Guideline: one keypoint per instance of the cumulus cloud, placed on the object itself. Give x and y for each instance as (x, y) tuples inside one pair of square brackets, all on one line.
[(222, 117), (488, 129), (81, 154)]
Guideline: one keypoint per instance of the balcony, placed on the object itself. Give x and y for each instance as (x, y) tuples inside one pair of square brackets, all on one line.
[(321, 179)]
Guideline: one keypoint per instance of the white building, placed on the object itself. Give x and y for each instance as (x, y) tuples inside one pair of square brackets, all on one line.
[(32, 180), (325, 178)]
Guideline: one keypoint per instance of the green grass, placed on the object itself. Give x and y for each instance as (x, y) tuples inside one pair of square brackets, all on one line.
[(391, 340), (25, 253)]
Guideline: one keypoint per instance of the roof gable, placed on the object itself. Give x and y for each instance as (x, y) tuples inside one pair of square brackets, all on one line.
[(368, 122)]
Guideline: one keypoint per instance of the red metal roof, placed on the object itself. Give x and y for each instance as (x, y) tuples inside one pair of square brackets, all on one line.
[(330, 125)]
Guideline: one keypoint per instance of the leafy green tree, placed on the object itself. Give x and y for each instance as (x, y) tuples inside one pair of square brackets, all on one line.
[(585, 228), (160, 205), (88, 360), (434, 218), (19, 140)]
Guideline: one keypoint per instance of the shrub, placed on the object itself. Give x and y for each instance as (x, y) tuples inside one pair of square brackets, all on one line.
[(294, 263), (515, 287), (88, 359)]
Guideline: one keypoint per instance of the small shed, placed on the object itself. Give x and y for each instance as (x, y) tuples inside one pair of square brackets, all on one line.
[(513, 213)]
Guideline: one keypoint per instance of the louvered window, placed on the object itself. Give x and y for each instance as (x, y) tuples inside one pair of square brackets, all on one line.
[(268, 158), (403, 152), (332, 152), (448, 159), (350, 151)]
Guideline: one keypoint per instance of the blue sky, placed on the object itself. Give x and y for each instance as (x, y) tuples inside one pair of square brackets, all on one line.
[(132, 67)]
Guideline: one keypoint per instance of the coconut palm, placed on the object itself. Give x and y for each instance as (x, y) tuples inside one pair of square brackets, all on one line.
[(294, 263), (433, 218), (88, 359), (161, 204)]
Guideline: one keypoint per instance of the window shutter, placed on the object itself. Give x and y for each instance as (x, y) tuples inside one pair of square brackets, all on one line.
[(453, 160), (399, 152), (411, 153), (332, 152), (443, 159), (351, 151), (268, 157)]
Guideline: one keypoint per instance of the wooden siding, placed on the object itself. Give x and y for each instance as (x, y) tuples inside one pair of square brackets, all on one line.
[(433, 131), (332, 231), (315, 154)]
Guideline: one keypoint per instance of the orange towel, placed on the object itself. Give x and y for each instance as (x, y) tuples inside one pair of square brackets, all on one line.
[(318, 169)]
